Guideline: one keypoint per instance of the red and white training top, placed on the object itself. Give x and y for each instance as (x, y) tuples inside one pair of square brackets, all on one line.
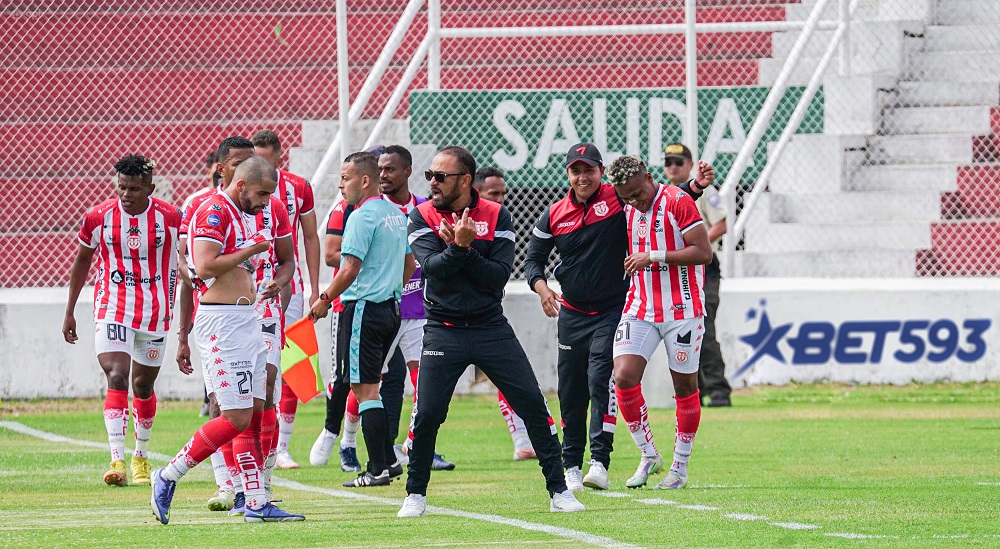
[(219, 220), (297, 195), (137, 270), (662, 292), (274, 219), (191, 205)]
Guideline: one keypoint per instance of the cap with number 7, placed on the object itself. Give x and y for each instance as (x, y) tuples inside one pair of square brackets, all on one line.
[(584, 152)]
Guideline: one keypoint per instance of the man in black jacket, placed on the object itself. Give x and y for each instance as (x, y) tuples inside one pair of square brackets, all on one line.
[(465, 247), (588, 229)]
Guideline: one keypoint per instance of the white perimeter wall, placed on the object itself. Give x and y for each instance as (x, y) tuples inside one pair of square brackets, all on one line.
[(820, 330)]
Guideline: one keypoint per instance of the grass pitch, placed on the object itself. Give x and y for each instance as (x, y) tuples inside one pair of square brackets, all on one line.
[(809, 466)]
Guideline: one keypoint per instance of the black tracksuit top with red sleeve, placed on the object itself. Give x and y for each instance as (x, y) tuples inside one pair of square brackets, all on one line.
[(592, 241), (463, 286)]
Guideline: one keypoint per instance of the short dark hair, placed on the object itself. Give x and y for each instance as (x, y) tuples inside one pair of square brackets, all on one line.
[(266, 138), (211, 158), (364, 163), (230, 143), (136, 165), (483, 173), (254, 168), (463, 156), (402, 152)]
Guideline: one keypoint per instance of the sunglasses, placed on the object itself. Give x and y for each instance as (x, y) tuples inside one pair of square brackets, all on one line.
[(438, 176), (676, 162)]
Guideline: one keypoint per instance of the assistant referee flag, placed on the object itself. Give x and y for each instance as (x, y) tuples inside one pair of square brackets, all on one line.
[(300, 360)]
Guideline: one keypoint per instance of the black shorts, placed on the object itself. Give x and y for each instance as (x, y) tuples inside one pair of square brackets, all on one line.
[(365, 336)]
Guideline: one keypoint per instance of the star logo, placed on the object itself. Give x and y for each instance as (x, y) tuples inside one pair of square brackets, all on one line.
[(764, 341)]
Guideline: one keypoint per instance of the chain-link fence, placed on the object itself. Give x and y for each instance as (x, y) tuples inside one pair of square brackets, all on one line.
[(890, 173)]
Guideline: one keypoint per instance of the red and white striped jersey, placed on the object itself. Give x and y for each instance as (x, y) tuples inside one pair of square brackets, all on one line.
[(219, 220), (274, 219), (297, 195), (663, 292), (191, 205), (137, 270)]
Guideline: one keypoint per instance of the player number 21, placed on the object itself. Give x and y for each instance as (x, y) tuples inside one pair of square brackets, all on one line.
[(245, 384)]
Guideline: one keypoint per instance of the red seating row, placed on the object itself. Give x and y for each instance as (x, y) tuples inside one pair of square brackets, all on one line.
[(71, 149), (962, 248)]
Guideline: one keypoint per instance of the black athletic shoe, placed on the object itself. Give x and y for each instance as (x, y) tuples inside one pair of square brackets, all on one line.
[(440, 464), (368, 479), (395, 470)]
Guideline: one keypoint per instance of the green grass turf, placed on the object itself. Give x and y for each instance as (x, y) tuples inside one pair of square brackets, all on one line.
[(916, 464)]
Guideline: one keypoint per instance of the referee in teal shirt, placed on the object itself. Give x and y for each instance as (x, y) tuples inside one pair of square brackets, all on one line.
[(375, 260)]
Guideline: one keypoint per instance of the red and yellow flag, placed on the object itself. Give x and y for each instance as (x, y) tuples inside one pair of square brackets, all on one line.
[(300, 360)]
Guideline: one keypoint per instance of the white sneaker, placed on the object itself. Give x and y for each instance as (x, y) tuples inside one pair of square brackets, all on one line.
[(573, 479), (322, 448), (401, 456), (647, 466), (565, 502), (674, 481), (285, 461), (597, 476), (413, 506)]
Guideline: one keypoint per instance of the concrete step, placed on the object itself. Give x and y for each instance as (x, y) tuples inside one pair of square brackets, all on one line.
[(957, 12), (962, 38), (768, 70), (828, 264), (850, 207), (946, 92), (805, 237), (782, 42), (920, 149), (973, 120), (954, 65), (905, 178)]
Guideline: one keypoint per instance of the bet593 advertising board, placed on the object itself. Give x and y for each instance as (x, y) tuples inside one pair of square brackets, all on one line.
[(859, 331)]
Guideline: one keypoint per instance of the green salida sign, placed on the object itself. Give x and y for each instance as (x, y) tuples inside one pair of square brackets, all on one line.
[(527, 133)]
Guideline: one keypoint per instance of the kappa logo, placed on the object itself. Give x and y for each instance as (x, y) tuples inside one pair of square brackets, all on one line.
[(482, 228), (601, 208), (224, 384), (220, 373), (215, 349), (218, 361), (213, 338)]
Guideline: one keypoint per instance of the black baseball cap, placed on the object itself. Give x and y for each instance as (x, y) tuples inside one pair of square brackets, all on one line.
[(375, 151), (584, 152), (677, 150)]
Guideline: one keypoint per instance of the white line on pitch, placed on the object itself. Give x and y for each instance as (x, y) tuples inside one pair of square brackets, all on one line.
[(557, 531), (744, 516), (854, 536), (795, 525), (611, 494)]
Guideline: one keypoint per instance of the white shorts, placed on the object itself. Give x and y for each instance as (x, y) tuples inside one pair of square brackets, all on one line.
[(145, 348), (411, 338), (270, 330), (682, 340), (295, 309), (233, 354)]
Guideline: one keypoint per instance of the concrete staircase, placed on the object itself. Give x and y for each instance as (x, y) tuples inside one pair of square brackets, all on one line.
[(884, 200)]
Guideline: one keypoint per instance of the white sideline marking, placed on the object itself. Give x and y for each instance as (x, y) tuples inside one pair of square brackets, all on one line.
[(795, 525), (744, 516), (988, 483), (557, 531), (657, 501), (698, 507), (853, 536), (611, 494)]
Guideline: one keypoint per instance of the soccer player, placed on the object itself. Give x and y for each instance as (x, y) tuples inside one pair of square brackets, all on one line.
[(490, 184), (211, 159), (668, 246), (465, 247), (297, 194), (375, 261), (231, 153), (677, 165), (135, 236), (224, 252)]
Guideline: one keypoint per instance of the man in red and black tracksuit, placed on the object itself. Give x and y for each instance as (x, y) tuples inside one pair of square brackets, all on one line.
[(465, 247), (588, 230)]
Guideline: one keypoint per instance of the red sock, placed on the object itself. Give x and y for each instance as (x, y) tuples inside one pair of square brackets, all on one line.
[(289, 403), (352, 404), (145, 412), (268, 432), (246, 450), (206, 440), (116, 421), (688, 413), (633, 407), (413, 378), (234, 470)]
